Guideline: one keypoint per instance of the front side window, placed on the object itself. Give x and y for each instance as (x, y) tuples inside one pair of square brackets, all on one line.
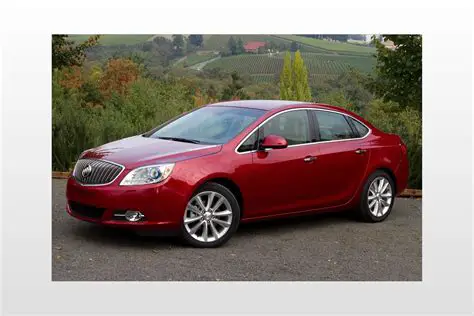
[(209, 125), (292, 125), (333, 126), (249, 144)]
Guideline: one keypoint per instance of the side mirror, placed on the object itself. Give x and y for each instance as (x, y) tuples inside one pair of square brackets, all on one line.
[(273, 142)]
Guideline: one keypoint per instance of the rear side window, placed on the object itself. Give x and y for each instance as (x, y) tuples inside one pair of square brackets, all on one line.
[(333, 126), (361, 128)]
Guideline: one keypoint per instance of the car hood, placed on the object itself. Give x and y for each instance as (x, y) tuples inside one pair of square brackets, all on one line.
[(138, 151)]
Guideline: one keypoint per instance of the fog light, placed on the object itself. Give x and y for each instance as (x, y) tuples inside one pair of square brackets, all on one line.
[(133, 216)]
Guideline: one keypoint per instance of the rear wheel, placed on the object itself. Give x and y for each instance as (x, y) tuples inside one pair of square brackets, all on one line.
[(211, 216), (377, 198)]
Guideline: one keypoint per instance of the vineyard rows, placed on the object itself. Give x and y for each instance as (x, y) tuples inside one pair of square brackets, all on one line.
[(274, 78), (264, 67)]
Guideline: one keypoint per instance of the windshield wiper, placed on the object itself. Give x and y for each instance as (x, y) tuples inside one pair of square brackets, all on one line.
[(179, 139)]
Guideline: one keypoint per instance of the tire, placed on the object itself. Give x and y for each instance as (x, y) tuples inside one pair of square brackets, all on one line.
[(368, 207), (212, 231)]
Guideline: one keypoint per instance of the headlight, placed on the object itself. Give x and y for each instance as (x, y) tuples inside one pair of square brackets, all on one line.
[(148, 174)]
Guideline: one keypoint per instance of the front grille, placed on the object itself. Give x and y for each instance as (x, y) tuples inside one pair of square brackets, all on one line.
[(98, 171), (86, 210)]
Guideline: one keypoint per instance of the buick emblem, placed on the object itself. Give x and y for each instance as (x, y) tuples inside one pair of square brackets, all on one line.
[(86, 171)]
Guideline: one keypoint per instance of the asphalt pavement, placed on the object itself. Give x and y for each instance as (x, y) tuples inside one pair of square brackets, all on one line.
[(320, 247)]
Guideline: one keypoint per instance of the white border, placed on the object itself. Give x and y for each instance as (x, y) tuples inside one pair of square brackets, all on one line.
[(26, 149)]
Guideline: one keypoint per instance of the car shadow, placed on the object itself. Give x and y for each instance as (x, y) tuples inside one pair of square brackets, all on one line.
[(293, 223), (108, 236)]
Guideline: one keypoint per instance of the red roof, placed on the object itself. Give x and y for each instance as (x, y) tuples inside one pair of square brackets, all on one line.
[(253, 45)]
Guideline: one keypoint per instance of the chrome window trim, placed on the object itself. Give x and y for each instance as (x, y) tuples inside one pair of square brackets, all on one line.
[(305, 144), (369, 130), (103, 184)]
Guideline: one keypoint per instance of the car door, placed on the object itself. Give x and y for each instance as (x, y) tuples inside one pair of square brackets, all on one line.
[(342, 158), (281, 181)]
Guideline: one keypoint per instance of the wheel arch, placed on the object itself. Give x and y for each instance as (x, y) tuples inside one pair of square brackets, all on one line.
[(228, 183), (356, 198), (388, 171)]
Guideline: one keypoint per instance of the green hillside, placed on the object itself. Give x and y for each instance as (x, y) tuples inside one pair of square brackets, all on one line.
[(338, 47), (265, 68), (115, 39), (193, 59), (220, 42)]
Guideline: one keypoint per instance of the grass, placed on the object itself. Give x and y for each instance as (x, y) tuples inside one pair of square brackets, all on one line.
[(194, 59), (327, 45), (115, 39)]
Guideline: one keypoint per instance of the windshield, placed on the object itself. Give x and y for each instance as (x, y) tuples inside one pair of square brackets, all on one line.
[(209, 125)]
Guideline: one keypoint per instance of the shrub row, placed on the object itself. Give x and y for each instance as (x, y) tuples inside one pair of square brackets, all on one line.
[(78, 126)]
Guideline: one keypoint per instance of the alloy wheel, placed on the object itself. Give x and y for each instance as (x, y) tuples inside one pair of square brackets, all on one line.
[(208, 216), (379, 197)]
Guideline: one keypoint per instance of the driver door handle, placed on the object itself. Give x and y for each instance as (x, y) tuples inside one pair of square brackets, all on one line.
[(309, 158), (360, 151)]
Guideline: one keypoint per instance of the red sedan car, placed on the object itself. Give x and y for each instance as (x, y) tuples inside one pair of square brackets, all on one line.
[(204, 172)]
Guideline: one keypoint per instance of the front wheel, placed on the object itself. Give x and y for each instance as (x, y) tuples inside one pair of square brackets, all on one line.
[(211, 216), (377, 198)]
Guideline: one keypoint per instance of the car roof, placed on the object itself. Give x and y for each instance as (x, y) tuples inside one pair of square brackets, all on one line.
[(275, 105), (259, 104), (268, 105)]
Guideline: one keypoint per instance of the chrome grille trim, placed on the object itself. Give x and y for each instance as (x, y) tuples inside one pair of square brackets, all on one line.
[(104, 172)]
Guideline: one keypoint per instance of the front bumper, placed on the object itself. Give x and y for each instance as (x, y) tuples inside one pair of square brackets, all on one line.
[(162, 206)]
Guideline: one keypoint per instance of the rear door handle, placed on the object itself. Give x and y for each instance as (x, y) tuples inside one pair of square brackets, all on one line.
[(360, 151), (309, 158)]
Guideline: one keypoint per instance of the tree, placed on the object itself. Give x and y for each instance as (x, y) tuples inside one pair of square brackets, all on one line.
[(270, 45), (239, 47), (212, 92), (66, 53), (201, 99), (301, 91), (337, 98), (353, 85), (398, 71), (232, 45), (282, 46), (119, 74), (178, 44), (71, 77), (294, 46), (234, 91), (163, 49), (286, 80), (294, 79), (196, 40)]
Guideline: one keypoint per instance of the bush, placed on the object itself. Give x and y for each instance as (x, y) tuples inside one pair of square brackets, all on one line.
[(406, 123), (77, 126)]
